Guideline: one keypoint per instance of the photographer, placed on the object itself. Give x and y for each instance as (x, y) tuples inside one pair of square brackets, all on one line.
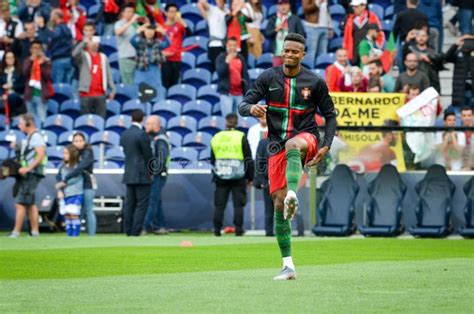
[(450, 145), (32, 156)]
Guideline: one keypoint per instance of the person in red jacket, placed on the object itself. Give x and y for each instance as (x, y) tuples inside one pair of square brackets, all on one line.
[(355, 29), (335, 71), (74, 17)]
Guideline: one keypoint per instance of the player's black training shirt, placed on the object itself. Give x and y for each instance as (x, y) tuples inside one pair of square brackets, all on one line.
[(292, 104)]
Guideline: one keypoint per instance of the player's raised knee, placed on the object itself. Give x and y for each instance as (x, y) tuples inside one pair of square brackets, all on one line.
[(291, 144)]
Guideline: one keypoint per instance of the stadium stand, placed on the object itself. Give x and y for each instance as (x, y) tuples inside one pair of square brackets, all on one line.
[(468, 229)]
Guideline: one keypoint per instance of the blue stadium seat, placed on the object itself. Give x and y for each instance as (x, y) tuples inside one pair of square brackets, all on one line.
[(301, 12), (113, 108), (197, 109), (71, 107), (254, 73), (53, 107), (205, 155), (108, 44), (182, 125), (198, 165), (188, 61), (203, 61), (197, 140), (97, 151), (184, 154), (65, 138), (87, 4), (199, 41), (116, 155), (191, 12), (320, 72), (337, 12), (182, 93), (215, 78), (108, 138), (435, 195), (384, 208), (50, 165), (209, 93), (49, 137), (216, 110), (190, 25), (245, 123), (4, 153), (168, 108), (467, 230), (377, 9), (118, 123), (389, 12), (116, 76), (93, 11), (6, 137), (176, 139), (125, 93), (55, 154), (197, 77), (62, 92), (265, 61), (308, 61), (211, 125), (263, 26), (58, 123), (335, 44), (89, 123), (337, 207), (272, 10), (106, 165), (387, 27), (325, 60), (164, 122), (134, 104), (201, 29), (2, 122), (114, 60), (336, 27), (251, 61)]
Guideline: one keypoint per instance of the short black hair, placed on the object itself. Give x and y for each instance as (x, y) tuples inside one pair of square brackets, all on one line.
[(413, 2), (90, 23), (36, 42), (377, 62), (296, 37), (448, 113), (138, 115), (233, 38), (414, 86), (467, 108), (232, 119), (171, 5)]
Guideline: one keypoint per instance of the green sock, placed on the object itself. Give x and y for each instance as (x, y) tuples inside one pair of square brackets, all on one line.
[(283, 234), (293, 169)]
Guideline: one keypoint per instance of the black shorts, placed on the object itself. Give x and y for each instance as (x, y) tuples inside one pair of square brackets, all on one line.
[(27, 189)]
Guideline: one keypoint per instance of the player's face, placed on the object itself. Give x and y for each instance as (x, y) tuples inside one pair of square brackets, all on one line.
[(292, 53), (466, 117)]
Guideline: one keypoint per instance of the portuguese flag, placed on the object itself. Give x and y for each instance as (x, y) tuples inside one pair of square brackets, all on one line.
[(389, 53)]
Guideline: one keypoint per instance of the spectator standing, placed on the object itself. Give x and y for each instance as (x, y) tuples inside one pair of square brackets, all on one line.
[(369, 50), (160, 146), (433, 10), (429, 61), (32, 154), (357, 84), (215, 17), (33, 9), (150, 56), (125, 29), (176, 30), (137, 149), (279, 26), (12, 84), (10, 29), (406, 20), (412, 76), (38, 87), (450, 145), (355, 29), (24, 41), (261, 182), (256, 133), (461, 54), (387, 82), (70, 191), (318, 26), (74, 17), (465, 16), (233, 168), (95, 77), (337, 70), (237, 26), (60, 48), (468, 153), (253, 10), (234, 79)]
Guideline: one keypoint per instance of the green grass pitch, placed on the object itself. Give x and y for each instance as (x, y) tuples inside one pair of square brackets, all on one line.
[(154, 274)]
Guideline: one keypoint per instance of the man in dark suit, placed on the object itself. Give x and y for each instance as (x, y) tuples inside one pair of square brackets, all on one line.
[(137, 149)]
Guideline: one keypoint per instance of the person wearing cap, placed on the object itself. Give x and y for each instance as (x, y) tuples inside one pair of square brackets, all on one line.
[(369, 50), (95, 76), (280, 25), (356, 27)]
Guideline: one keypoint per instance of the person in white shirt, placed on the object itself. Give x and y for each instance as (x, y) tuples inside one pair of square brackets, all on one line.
[(255, 134), (450, 145), (215, 17), (253, 10)]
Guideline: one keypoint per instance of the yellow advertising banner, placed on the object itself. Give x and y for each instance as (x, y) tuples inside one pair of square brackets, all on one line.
[(369, 151)]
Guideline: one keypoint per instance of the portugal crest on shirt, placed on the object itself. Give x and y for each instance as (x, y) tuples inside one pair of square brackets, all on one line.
[(306, 93)]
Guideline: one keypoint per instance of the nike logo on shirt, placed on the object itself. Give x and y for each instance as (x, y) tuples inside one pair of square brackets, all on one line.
[(271, 89)]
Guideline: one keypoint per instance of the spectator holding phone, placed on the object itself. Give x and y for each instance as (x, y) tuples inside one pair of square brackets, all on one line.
[(450, 145), (125, 29)]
